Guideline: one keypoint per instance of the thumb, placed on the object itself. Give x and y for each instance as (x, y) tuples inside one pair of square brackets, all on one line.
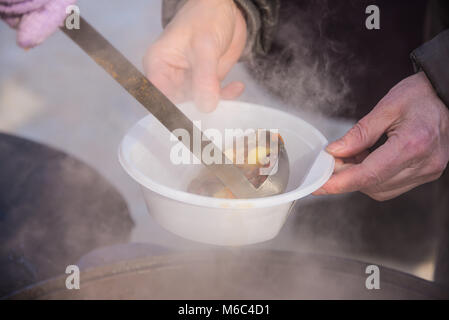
[(205, 81), (364, 134)]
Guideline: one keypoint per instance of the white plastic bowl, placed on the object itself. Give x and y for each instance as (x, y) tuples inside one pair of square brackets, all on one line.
[(144, 154)]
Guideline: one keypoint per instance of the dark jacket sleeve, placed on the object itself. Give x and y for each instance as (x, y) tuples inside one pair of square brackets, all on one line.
[(433, 58), (261, 19)]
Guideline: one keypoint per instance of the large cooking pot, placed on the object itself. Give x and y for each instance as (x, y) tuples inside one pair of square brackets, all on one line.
[(235, 274)]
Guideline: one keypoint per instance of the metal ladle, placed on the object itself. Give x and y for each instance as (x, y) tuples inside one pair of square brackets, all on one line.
[(132, 80), (276, 183)]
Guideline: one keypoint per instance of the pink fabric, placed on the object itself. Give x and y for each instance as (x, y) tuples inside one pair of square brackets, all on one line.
[(16, 8), (11, 2), (37, 19), (13, 22)]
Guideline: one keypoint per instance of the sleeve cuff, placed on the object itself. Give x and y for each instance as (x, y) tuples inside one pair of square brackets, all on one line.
[(262, 19), (169, 10), (433, 59), (253, 26)]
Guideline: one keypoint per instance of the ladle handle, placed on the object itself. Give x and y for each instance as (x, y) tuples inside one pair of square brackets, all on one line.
[(133, 81)]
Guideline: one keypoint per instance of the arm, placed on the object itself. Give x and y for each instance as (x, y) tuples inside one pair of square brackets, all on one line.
[(415, 118)]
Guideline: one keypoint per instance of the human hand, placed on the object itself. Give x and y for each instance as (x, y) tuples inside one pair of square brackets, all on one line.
[(196, 51), (416, 123), (35, 20)]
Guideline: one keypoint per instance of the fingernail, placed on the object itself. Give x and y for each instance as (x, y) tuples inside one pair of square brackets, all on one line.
[(336, 146), (320, 192)]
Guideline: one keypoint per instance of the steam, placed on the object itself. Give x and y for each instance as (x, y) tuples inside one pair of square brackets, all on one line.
[(310, 72), (306, 68)]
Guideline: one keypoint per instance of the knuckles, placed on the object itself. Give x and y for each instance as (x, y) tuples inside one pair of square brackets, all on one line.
[(420, 142), (370, 177)]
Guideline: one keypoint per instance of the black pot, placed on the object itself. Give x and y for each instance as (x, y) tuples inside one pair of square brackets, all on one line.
[(236, 274)]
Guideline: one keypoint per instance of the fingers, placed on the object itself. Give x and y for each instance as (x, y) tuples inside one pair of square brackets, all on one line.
[(189, 74), (205, 80), (344, 163), (390, 194), (365, 133), (405, 180), (166, 71), (391, 188), (232, 90), (164, 78), (379, 166)]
